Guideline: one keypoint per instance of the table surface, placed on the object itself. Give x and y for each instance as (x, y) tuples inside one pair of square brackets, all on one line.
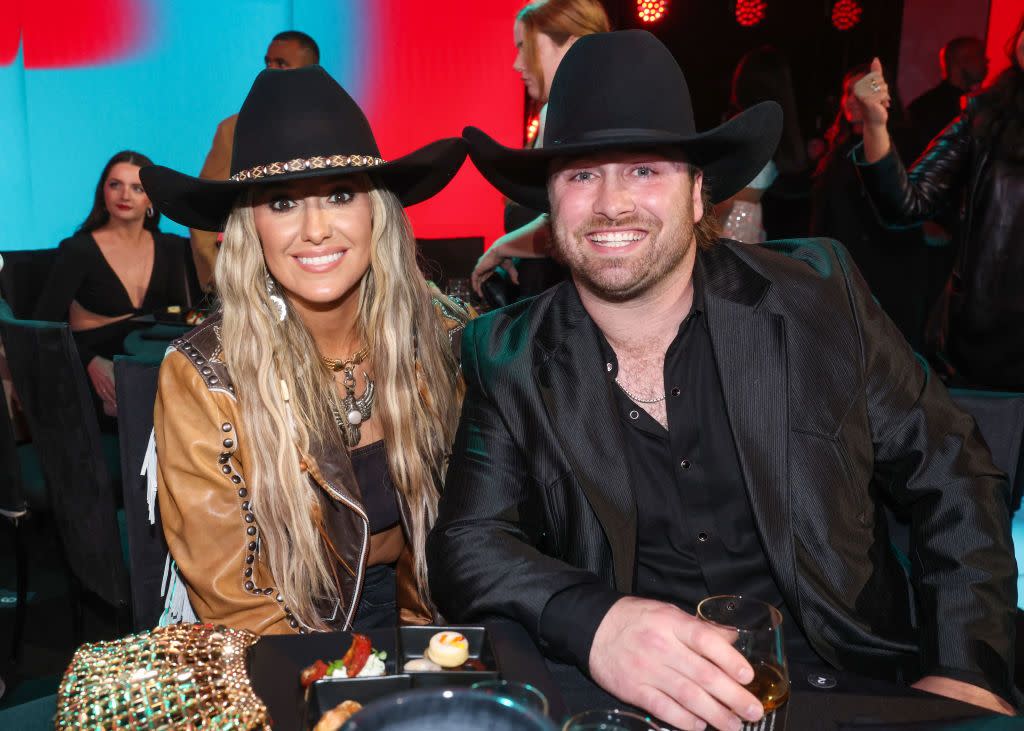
[(850, 702), (876, 705)]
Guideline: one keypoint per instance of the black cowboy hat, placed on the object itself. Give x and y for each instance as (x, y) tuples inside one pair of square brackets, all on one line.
[(298, 124), (619, 91)]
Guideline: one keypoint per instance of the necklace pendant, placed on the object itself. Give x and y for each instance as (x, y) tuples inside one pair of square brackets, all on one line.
[(352, 435), (354, 417)]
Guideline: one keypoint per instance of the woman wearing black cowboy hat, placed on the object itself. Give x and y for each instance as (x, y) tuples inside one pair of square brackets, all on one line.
[(301, 431)]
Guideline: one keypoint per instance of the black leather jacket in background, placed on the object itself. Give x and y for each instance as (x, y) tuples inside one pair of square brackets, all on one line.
[(985, 337)]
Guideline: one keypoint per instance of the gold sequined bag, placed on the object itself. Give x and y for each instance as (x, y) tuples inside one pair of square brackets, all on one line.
[(189, 676)]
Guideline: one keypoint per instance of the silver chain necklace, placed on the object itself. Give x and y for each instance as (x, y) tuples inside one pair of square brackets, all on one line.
[(636, 398)]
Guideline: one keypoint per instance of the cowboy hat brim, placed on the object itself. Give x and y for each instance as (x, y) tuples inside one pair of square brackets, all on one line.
[(205, 204), (730, 155)]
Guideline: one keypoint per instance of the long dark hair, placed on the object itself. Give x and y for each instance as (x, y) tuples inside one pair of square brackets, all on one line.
[(839, 132), (1000, 121), (99, 214), (763, 74)]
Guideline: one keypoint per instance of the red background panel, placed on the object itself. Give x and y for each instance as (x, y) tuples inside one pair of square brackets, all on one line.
[(429, 74), (1003, 17), (66, 33)]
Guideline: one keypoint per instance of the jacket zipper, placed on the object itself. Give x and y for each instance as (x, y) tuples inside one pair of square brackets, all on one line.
[(357, 593)]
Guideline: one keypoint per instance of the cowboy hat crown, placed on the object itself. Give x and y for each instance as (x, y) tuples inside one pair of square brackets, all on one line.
[(624, 90), (297, 124)]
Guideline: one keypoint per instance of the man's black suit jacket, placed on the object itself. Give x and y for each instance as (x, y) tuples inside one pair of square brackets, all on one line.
[(832, 416)]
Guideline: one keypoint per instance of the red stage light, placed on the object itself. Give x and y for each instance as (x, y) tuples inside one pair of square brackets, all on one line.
[(846, 14), (650, 11), (750, 12)]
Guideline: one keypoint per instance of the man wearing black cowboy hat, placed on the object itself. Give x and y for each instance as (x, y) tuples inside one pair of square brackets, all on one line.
[(691, 416)]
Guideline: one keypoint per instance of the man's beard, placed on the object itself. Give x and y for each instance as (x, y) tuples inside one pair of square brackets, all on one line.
[(622, 278)]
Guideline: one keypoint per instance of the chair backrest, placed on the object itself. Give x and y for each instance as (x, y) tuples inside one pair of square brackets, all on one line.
[(445, 259), (52, 386), (136, 382), (13, 503), (1000, 419), (23, 276)]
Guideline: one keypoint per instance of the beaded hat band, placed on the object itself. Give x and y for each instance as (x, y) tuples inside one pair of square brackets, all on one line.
[(300, 164), (299, 124)]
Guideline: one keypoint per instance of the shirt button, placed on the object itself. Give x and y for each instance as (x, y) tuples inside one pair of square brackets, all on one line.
[(676, 391), (702, 537), (685, 464), (824, 681), (634, 414)]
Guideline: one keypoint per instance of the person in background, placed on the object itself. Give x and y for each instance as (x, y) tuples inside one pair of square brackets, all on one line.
[(290, 49), (543, 31), (301, 431), (964, 67), (973, 169), (118, 265), (892, 261), (763, 74)]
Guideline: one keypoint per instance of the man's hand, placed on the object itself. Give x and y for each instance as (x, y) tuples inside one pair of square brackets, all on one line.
[(672, 665), (961, 691)]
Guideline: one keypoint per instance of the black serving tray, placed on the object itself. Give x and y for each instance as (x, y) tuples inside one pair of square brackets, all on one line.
[(276, 661), (325, 694), (413, 641)]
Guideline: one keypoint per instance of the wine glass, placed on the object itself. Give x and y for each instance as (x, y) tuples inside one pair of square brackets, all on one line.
[(602, 720), (758, 628), (522, 693)]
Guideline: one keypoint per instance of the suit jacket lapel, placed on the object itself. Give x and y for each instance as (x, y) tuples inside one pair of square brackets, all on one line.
[(575, 390), (749, 342)]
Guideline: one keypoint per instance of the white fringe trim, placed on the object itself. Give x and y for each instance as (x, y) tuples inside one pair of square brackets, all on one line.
[(149, 470), (177, 608)]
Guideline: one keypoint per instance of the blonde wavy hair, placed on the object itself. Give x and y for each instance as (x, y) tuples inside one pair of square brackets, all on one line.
[(409, 353)]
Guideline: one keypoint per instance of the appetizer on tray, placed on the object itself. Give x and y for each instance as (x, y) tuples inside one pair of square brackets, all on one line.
[(361, 661)]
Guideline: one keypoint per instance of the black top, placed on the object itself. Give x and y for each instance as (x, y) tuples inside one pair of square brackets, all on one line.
[(380, 499), (931, 112), (696, 535), (81, 273), (893, 261)]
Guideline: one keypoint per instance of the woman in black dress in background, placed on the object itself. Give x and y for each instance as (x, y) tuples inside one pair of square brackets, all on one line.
[(117, 265)]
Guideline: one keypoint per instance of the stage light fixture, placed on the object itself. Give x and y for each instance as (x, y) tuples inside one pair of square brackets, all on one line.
[(651, 11), (531, 128), (846, 14), (750, 12)]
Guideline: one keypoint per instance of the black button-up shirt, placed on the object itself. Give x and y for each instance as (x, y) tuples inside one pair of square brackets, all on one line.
[(696, 532), (696, 535)]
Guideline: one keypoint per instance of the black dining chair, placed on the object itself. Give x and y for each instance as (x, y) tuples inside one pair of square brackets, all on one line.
[(22, 495), (1000, 420), (55, 395), (23, 276), (136, 383)]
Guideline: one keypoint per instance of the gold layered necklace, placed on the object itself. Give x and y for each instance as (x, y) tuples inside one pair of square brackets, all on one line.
[(357, 408)]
